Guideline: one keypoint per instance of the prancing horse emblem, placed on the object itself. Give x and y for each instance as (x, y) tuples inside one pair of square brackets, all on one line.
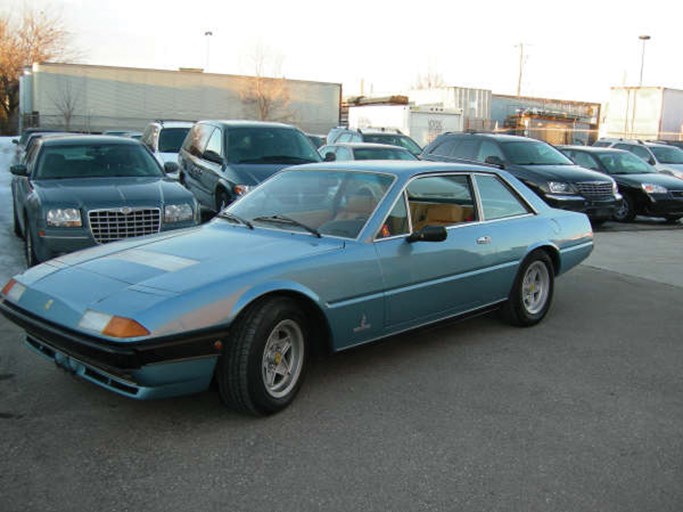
[(364, 325), (49, 304)]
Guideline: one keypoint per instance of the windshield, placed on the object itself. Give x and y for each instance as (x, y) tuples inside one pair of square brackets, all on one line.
[(326, 202), (668, 155), (624, 163), (394, 140), (269, 145), (170, 139), (95, 160), (382, 154), (533, 153)]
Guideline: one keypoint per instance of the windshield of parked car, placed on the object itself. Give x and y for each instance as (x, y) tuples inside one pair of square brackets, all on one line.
[(394, 140), (623, 162), (383, 154), (668, 155), (269, 145), (170, 139), (533, 153), (95, 160), (325, 202)]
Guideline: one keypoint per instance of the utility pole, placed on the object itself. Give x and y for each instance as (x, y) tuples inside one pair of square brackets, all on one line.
[(643, 38), (521, 69), (208, 35)]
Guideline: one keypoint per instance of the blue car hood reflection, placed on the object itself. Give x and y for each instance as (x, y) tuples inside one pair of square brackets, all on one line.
[(188, 259)]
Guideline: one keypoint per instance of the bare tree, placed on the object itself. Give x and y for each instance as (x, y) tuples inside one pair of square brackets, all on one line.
[(35, 37), (429, 80), (268, 97), (66, 102)]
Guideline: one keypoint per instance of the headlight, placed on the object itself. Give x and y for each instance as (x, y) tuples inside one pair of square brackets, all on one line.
[(615, 188), (241, 190), (651, 188), (64, 218), (560, 187), (178, 213), (110, 325)]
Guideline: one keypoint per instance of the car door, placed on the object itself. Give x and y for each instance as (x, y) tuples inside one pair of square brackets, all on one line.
[(212, 163), (426, 281), (194, 164), (21, 185)]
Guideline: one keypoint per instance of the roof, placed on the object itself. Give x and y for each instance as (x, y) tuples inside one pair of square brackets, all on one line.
[(76, 140), (591, 149), (174, 123), (242, 123), (498, 136), (365, 145), (402, 168)]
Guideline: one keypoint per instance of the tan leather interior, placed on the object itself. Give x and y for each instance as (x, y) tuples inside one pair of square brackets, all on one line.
[(438, 214), (356, 207)]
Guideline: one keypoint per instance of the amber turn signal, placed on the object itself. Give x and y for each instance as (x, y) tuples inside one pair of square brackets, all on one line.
[(119, 327)]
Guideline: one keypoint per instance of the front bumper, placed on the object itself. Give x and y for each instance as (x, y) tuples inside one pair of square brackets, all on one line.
[(597, 209), (663, 205), (155, 368)]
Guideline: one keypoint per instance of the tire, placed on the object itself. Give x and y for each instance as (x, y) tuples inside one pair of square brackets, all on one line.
[(16, 226), (29, 250), (222, 200), (672, 219), (626, 212), (532, 291), (264, 361)]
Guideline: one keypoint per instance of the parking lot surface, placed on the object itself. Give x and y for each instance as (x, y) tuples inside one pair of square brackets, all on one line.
[(582, 412)]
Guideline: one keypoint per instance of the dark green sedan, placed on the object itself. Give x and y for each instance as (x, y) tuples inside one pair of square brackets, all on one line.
[(78, 191)]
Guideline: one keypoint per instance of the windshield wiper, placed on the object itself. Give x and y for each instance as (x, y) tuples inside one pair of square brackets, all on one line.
[(231, 216), (283, 219)]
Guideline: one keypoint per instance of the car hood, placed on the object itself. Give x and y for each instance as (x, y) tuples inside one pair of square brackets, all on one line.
[(571, 173), (110, 192), (131, 276), (676, 167), (654, 178)]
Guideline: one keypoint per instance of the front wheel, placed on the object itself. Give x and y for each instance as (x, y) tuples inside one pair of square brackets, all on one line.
[(532, 291), (626, 212), (264, 360)]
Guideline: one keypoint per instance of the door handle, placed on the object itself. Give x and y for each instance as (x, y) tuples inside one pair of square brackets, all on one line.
[(484, 240)]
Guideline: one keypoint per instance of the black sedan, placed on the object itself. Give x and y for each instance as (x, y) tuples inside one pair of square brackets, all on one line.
[(645, 191)]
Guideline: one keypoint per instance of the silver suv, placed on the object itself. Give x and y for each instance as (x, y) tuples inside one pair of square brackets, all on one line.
[(666, 158), (164, 139)]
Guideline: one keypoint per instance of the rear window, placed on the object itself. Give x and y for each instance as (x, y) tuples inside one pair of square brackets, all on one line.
[(170, 139), (382, 154)]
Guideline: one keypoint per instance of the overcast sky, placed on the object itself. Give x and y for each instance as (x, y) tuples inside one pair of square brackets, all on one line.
[(573, 50)]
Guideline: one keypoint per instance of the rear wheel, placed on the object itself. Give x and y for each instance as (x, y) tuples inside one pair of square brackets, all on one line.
[(532, 291), (263, 362), (16, 226), (672, 219), (626, 212)]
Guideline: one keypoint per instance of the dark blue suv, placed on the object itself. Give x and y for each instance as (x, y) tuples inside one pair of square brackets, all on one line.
[(222, 160)]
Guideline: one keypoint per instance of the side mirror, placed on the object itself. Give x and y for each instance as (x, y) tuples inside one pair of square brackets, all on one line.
[(212, 156), (170, 167), (429, 234), (330, 157), (15, 141), (495, 160), (19, 170)]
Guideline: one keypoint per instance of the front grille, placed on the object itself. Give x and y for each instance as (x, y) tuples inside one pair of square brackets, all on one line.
[(677, 193), (595, 189), (119, 223)]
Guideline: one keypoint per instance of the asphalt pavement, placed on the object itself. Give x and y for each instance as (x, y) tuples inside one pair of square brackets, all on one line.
[(583, 412)]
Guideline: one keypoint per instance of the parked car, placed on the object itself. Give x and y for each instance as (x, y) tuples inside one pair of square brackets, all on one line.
[(78, 191), (317, 140), (223, 160), (22, 142), (645, 191), (665, 158), (164, 139), (364, 151), (324, 256), (544, 169), (391, 137)]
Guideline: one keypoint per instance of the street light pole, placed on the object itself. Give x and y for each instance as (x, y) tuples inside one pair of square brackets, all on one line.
[(643, 38), (208, 35)]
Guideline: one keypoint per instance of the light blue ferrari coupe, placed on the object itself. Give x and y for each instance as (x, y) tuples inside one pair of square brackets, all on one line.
[(331, 254)]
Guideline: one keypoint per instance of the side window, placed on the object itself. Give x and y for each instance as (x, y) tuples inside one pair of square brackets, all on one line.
[(440, 201), (584, 160), (344, 137), (215, 143), (344, 153), (497, 200), (397, 222), (197, 139), (487, 149), (146, 138), (466, 149)]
